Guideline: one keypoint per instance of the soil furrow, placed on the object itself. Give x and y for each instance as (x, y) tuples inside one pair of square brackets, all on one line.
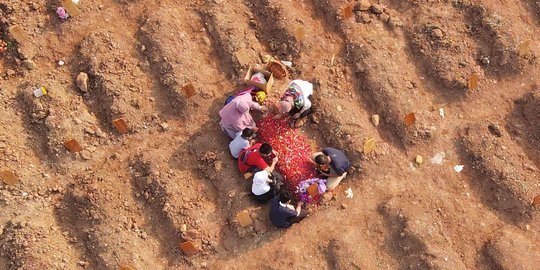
[(440, 38), (181, 60), (174, 215), (29, 246), (116, 81), (50, 125), (523, 123), (501, 179), (339, 115), (507, 248), (229, 24), (498, 40), (395, 92), (417, 238)]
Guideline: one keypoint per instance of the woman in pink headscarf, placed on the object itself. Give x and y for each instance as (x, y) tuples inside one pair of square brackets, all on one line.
[(235, 115)]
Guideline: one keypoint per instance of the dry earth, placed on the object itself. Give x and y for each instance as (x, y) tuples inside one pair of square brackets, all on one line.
[(130, 199)]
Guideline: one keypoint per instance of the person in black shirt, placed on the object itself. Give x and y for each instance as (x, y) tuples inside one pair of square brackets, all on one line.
[(333, 164), (282, 213)]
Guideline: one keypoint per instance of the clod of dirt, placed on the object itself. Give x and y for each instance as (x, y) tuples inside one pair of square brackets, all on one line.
[(82, 82), (10, 72), (385, 17), (437, 33), (364, 5), (29, 64), (376, 9), (495, 130)]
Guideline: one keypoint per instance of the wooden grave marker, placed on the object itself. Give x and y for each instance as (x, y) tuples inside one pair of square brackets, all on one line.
[(313, 190), (189, 90), (71, 8), (347, 12), (188, 248), (410, 119), (18, 33), (9, 177), (300, 33), (248, 175), (369, 146), (473, 82), (536, 200), (73, 146), (121, 125), (243, 218)]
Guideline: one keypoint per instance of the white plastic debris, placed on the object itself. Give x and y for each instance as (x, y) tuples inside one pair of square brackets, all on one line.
[(76, 2), (287, 63), (458, 168), (61, 63), (438, 158), (441, 112), (40, 91), (348, 193)]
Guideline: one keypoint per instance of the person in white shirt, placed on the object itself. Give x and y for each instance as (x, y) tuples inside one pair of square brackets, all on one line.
[(295, 102), (264, 188), (242, 141)]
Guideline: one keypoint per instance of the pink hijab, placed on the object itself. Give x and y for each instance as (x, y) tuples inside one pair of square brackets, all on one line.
[(236, 113)]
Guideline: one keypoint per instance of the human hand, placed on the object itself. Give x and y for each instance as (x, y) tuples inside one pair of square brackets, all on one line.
[(275, 160), (296, 116)]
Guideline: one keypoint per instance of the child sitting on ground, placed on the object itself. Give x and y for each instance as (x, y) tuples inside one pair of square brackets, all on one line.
[(243, 140)]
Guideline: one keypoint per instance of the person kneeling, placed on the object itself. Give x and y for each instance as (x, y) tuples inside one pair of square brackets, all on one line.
[(333, 164), (265, 185), (283, 214)]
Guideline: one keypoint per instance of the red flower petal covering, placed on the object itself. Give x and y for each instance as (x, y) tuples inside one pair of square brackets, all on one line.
[(292, 147)]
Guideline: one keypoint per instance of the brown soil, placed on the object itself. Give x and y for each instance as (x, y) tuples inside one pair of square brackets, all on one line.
[(131, 199)]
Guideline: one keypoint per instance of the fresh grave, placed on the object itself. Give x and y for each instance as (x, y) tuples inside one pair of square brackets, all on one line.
[(294, 157)]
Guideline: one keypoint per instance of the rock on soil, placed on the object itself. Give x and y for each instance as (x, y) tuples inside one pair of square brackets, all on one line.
[(82, 82)]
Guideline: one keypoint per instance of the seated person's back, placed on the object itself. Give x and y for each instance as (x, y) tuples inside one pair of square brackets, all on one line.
[(282, 214), (339, 161), (251, 159)]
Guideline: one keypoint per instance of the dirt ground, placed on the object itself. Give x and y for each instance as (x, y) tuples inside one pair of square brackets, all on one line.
[(467, 69)]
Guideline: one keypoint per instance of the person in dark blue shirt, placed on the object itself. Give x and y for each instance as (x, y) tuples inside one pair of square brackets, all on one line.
[(282, 213), (333, 164)]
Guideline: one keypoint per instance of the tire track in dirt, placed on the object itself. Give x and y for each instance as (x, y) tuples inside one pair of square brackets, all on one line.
[(235, 43), (504, 184), (319, 59), (116, 81), (392, 91), (439, 38), (418, 240)]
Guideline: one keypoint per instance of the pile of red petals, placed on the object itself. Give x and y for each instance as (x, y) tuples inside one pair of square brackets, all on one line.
[(292, 147)]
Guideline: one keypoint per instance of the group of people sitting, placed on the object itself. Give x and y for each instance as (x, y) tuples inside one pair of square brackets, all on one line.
[(239, 125)]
